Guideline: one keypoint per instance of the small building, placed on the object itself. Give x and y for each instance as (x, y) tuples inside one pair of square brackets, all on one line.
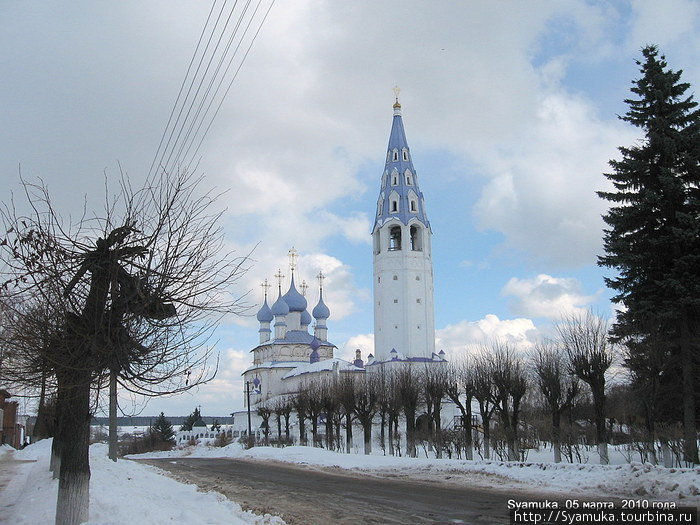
[(11, 432)]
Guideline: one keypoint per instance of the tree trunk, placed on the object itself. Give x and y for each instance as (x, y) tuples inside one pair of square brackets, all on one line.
[(690, 443), (468, 442), (438, 429), (329, 432), (600, 428), (382, 434), (112, 415), (74, 427), (348, 432), (485, 421), (367, 431), (556, 435), (302, 430), (286, 426), (41, 425), (391, 435), (410, 432)]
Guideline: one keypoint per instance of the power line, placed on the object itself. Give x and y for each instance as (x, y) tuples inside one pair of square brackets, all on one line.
[(192, 82), (182, 86), (176, 148)]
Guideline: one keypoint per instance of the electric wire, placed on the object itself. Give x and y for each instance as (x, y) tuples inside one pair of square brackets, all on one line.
[(182, 86), (193, 109)]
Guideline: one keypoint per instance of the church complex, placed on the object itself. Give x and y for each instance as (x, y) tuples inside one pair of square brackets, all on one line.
[(292, 352)]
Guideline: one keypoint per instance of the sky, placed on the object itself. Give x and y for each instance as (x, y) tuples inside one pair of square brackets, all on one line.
[(510, 109)]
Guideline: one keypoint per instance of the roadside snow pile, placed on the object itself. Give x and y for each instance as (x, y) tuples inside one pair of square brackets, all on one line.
[(633, 480), (121, 492)]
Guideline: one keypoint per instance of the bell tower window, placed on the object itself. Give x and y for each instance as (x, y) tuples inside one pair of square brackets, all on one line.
[(414, 208), (394, 206), (416, 239), (396, 155), (395, 238)]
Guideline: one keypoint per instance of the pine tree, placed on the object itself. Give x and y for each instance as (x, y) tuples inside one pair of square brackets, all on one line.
[(190, 420), (654, 237), (162, 430)]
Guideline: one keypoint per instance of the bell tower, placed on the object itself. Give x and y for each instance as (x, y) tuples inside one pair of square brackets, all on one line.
[(404, 312)]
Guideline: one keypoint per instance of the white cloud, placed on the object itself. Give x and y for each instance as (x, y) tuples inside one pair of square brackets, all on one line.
[(466, 336), (541, 194), (363, 342), (546, 296)]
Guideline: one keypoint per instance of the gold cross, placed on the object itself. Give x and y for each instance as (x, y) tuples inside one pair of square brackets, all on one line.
[(304, 287), (292, 258), (279, 276), (265, 286), (320, 278)]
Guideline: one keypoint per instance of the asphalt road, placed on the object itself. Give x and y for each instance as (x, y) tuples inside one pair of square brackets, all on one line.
[(309, 496)]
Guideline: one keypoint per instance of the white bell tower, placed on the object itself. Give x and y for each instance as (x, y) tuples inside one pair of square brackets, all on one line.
[(404, 311)]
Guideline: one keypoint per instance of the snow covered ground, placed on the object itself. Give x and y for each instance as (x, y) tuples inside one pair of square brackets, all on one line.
[(126, 491), (629, 480)]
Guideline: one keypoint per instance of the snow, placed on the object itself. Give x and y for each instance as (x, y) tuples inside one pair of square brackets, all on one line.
[(121, 492), (125, 490), (629, 480)]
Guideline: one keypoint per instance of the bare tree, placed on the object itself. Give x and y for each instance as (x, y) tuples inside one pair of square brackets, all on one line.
[(556, 384), (483, 393), (585, 340), (330, 404), (409, 391), (282, 408), (366, 405), (345, 390), (460, 382), (265, 412), (435, 384), (300, 403), (139, 287), (314, 407), (509, 380)]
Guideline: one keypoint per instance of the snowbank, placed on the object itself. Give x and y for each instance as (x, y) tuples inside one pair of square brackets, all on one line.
[(633, 480), (121, 492)]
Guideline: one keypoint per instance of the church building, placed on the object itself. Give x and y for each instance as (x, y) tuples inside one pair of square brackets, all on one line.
[(288, 355)]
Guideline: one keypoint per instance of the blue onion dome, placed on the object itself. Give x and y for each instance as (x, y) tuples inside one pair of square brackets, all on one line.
[(265, 314), (296, 301), (306, 318), (321, 311), (280, 307), (315, 344)]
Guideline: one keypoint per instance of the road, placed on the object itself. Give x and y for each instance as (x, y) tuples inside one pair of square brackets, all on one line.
[(304, 495)]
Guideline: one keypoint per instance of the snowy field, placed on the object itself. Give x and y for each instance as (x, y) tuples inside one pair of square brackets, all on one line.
[(125, 492)]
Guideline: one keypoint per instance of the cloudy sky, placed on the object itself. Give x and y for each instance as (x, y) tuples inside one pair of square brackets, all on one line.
[(510, 109)]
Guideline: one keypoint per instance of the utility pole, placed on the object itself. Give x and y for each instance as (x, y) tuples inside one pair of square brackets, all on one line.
[(247, 393)]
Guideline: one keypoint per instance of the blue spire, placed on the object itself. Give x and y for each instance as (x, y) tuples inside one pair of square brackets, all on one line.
[(400, 197)]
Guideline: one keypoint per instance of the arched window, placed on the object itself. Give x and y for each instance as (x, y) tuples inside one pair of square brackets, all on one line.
[(396, 155), (395, 238), (405, 155), (394, 206), (414, 206), (416, 238), (394, 180)]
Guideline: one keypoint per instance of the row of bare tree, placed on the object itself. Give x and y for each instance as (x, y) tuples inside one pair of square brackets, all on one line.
[(497, 379)]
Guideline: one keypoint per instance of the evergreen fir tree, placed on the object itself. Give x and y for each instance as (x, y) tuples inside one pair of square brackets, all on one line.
[(190, 420), (654, 237), (162, 429)]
